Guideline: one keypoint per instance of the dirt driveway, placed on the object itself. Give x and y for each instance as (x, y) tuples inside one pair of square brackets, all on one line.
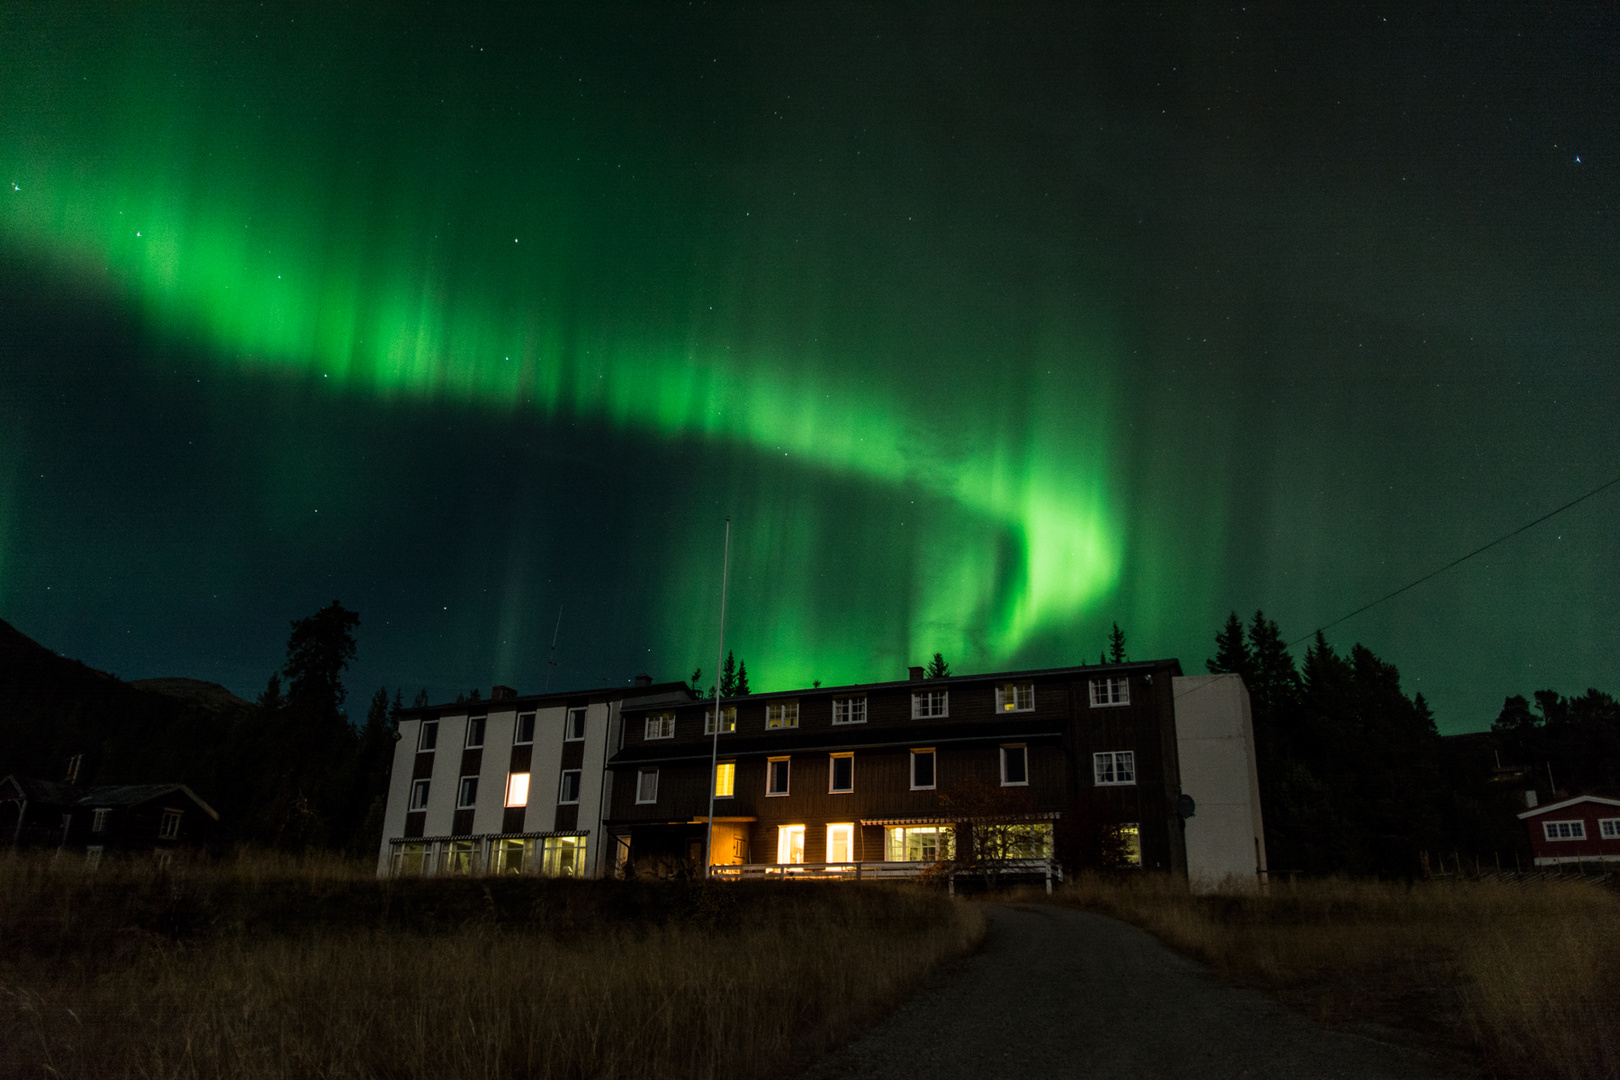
[(1063, 993)]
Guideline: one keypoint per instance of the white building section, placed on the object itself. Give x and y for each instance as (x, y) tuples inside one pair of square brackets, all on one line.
[(1226, 842)]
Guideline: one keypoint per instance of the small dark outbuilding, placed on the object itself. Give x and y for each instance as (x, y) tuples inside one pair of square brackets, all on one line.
[(128, 818)]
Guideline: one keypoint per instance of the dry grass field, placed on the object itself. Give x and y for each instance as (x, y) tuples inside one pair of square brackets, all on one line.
[(1515, 979), (272, 968)]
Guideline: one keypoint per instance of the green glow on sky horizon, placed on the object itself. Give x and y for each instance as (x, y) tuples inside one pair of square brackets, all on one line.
[(402, 271)]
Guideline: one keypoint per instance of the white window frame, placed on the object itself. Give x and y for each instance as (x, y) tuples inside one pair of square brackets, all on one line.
[(429, 727), (1609, 828), (169, 825), (848, 829), (1110, 692), (784, 845), (1023, 697), (478, 725), (562, 787), (729, 790), (832, 771), (849, 710), (728, 720), (660, 726), (512, 785), (574, 722), (930, 704), (420, 789), (463, 802), (517, 729), (781, 715), (98, 819), (1109, 767), (924, 751), (641, 786), (787, 776), (92, 856), (1577, 830), (1023, 752)]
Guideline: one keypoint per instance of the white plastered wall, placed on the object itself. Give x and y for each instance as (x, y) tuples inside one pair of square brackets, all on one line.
[(399, 791), (545, 770), (1226, 845), (493, 768)]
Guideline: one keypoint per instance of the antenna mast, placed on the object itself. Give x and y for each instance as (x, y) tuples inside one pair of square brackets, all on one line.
[(714, 749), (551, 661)]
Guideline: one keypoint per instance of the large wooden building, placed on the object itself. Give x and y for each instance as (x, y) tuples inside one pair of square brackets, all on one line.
[(1123, 763)]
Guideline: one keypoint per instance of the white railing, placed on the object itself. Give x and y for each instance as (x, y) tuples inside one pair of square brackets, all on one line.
[(887, 871)]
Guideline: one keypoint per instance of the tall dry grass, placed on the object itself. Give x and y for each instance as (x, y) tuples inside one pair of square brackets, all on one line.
[(266, 969), (1522, 978)]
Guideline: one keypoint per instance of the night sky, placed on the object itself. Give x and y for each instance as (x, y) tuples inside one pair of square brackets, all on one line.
[(986, 326)]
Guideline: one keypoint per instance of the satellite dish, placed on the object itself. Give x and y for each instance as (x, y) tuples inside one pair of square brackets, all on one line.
[(1186, 807)]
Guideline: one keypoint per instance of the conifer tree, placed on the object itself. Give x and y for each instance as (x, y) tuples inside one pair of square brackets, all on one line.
[(938, 668), (1116, 645), (742, 689), (1232, 656), (728, 676)]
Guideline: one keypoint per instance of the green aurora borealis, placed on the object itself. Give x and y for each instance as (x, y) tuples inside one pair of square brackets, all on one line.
[(526, 305)]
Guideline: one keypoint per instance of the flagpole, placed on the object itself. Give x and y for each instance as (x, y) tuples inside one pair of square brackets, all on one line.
[(714, 748)]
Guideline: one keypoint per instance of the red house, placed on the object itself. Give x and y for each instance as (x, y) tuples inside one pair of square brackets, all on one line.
[(1583, 829)]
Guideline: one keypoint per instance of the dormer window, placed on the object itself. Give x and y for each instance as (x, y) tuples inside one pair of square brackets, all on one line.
[(782, 714), (661, 726), (1106, 692), (928, 704)]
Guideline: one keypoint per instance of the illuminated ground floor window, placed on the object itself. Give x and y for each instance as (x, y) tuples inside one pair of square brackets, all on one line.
[(920, 843), (410, 860), (1130, 843), (841, 843), (790, 844), (1015, 840), (564, 856), (458, 857), (512, 856)]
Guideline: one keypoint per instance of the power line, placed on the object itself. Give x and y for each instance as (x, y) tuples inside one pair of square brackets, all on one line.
[(1458, 561)]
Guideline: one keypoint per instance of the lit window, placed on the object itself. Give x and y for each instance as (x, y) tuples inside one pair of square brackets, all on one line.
[(564, 856), (575, 725), (728, 720), (776, 776), (790, 843), (475, 731), (1129, 838), (169, 827), (509, 855), (1609, 828), (922, 770), (1564, 830), (1015, 697), (725, 779), (525, 728), (841, 778), (98, 821), (467, 793), (1031, 840), (841, 843), (849, 710), (410, 860), (419, 794), (457, 857), (570, 786), (926, 843), (782, 714), (517, 789), (1110, 692), (930, 703), (428, 737), (661, 726), (1113, 768), (647, 786), (1014, 765)]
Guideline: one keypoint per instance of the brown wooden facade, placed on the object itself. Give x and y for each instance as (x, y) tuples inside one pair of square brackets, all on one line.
[(1061, 733)]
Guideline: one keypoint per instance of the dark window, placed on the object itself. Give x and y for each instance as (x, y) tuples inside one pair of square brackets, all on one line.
[(429, 737), (525, 728), (419, 794), (922, 769), (570, 786), (576, 724), (843, 773), (1014, 765), (475, 732), (776, 777), (467, 793)]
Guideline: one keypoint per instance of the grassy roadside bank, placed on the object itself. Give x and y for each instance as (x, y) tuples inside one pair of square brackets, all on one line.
[(270, 968), (1523, 979)]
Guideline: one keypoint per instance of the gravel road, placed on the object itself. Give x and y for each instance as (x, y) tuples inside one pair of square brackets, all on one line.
[(1063, 993)]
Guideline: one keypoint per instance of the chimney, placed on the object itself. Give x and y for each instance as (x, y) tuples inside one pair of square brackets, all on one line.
[(916, 674), (501, 693), (643, 680)]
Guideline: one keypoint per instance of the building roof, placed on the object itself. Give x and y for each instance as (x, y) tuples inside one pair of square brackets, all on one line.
[(658, 691), (1089, 670), (108, 796), (1599, 799)]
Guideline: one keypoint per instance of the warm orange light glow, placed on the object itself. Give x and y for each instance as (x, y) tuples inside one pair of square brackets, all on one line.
[(517, 789), (725, 779)]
